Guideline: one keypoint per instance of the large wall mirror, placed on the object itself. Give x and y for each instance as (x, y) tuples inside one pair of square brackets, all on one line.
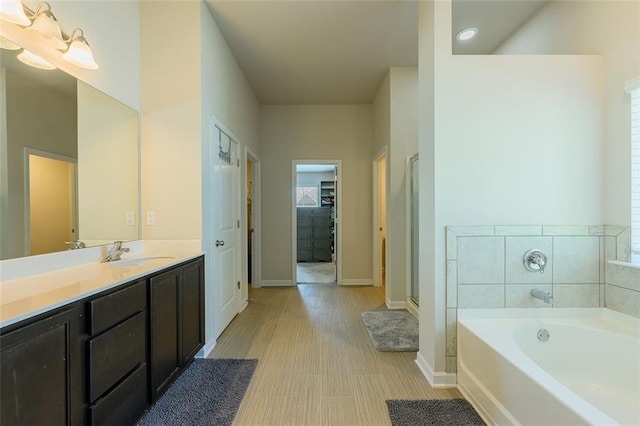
[(68, 162)]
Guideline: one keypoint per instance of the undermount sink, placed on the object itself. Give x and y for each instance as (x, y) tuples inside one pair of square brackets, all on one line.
[(137, 261)]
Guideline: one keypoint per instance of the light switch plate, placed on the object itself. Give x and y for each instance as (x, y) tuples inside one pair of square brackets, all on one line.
[(151, 218), (129, 218)]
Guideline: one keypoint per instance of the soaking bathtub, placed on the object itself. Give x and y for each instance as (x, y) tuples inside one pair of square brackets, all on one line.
[(550, 366)]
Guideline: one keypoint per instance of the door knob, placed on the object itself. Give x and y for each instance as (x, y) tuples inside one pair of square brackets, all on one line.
[(219, 243)]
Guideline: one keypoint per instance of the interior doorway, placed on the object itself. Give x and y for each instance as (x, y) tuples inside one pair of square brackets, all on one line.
[(380, 219), (316, 222), (51, 202), (251, 221)]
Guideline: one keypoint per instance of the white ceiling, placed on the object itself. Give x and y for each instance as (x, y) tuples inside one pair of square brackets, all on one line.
[(338, 51), (496, 20)]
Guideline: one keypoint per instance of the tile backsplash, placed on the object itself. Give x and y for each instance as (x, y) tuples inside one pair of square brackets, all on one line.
[(485, 269)]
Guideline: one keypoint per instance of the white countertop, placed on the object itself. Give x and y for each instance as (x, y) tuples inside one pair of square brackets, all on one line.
[(32, 295)]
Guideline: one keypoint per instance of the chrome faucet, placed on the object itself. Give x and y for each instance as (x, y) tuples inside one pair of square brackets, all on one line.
[(542, 295), (75, 244), (115, 252)]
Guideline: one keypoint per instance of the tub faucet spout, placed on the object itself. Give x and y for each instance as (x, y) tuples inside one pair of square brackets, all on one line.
[(542, 295)]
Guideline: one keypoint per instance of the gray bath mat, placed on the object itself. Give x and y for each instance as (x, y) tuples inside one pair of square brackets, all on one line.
[(209, 392), (392, 330), (456, 412)]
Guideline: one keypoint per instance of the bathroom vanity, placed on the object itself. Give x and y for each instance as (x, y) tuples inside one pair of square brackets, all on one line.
[(103, 358)]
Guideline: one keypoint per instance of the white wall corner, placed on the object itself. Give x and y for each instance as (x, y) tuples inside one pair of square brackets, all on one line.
[(437, 380), (206, 349), (391, 304)]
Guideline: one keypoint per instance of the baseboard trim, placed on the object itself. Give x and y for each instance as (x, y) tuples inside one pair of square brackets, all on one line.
[(357, 281), (206, 349), (413, 308), (437, 380), (396, 305), (276, 283)]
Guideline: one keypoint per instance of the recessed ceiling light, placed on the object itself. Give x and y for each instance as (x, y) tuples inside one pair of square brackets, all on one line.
[(467, 33)]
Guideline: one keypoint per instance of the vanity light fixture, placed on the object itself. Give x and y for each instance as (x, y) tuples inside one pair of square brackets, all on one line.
[(79, 52), (7, 44), (46, 25), (467, 33), (35, 61), (12, 11)]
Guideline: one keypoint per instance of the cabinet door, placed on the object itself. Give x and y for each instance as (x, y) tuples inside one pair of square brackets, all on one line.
[(192, 310), (164, 326), (39, 372)]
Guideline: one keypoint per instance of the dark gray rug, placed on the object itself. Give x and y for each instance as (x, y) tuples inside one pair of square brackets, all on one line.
[(209, 392), (392, 330), (456, 412)]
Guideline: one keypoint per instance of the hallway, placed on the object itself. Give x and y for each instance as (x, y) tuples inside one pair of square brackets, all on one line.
[(316, 363)]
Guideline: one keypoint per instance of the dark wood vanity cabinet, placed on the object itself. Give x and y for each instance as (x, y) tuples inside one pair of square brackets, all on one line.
[(177, 322), (116, 353), (103, 360), (40, 371)]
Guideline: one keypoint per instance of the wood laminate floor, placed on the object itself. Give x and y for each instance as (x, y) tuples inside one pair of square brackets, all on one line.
[(316, 364)]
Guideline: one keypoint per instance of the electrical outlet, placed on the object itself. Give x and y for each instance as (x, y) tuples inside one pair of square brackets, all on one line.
[(151, 218), (129, 219)]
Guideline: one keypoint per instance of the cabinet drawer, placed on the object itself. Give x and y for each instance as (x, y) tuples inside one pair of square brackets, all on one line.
[(125, 403), (114, 353), (109, 310)]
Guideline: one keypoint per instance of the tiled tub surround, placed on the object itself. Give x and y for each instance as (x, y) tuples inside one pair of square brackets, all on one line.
[(623, 287), (61, 278), (485, 268)]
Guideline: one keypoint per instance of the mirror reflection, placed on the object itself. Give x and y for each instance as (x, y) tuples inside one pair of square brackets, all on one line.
[(69, 163)]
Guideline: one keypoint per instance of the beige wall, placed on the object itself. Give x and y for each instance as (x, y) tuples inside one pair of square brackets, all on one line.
[(395, 126), (404, 142), (432, 307), (107, 167), (610, 28), (517, 140), (40, 118), (382, 116), (316, 132), (189, 74), (171, 131), (226, 93)]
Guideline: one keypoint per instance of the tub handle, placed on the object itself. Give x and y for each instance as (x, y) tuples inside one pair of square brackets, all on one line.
[(535, 260)]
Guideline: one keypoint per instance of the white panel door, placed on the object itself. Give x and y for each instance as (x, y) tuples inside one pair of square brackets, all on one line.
[(225, 242)]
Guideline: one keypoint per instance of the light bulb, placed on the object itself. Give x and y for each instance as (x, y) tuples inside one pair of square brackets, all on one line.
[(35, 61), (12, 11)]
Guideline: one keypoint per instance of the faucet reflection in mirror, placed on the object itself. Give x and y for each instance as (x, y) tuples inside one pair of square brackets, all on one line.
[(44, 24)]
